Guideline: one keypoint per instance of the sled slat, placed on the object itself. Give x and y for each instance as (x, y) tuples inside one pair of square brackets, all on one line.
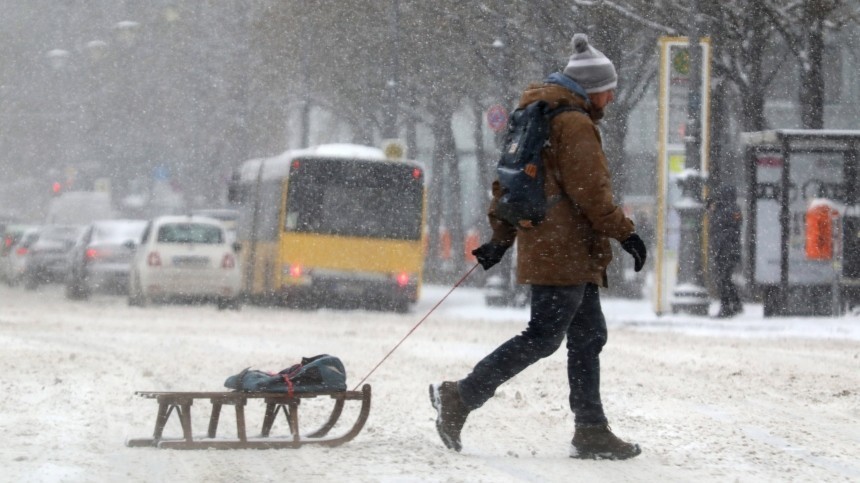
[(181, 402)]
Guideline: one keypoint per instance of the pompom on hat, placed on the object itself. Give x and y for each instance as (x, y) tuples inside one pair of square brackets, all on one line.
[(589, 67)]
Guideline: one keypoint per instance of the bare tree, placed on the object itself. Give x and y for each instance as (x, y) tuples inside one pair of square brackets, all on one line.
[(803, 25)]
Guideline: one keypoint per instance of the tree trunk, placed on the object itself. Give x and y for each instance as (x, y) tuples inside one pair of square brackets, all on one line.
[(453, 193), (752, 109), (444, 204), (753, 92), (811, 75), (722, 168)]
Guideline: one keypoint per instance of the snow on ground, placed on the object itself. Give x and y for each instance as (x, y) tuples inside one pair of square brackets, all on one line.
[(744, 399)]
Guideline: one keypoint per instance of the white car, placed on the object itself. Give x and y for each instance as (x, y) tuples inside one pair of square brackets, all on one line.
[(188, 258), (14, 262)]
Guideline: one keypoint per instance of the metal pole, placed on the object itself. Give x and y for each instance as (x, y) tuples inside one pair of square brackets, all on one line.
[(306, 81), (391, 87), (836, 286), (690, 295)]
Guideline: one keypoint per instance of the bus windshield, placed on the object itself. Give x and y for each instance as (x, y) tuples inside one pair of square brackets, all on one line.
[(355, 198)]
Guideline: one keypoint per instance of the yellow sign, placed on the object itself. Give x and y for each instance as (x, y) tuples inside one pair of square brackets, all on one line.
[(676, 163), (394, 149)]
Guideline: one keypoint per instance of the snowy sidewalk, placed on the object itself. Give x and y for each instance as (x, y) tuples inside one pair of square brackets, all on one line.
[(468, 303)]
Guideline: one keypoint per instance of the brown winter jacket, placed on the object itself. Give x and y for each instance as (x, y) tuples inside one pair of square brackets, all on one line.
[(571, 246)]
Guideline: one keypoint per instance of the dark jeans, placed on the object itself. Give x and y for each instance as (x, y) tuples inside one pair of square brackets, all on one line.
[(726, 288), (556, 312)]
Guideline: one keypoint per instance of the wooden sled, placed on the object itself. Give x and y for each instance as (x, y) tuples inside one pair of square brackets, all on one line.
[(180, 403)]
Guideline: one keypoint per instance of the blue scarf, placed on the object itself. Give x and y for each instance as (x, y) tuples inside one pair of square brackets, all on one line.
[(570, 84)]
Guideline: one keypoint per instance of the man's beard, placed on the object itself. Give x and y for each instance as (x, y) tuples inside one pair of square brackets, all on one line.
[(596, 114)]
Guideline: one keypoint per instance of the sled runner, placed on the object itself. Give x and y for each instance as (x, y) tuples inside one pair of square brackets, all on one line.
[(180, 403)]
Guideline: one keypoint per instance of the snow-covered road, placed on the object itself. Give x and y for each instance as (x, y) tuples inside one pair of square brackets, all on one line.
[(748, 399)]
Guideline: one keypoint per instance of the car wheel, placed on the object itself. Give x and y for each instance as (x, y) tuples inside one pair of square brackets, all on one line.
[(31, 282), (135, 294), (236, 304), (495, 301), (76, 289), (72, 290)]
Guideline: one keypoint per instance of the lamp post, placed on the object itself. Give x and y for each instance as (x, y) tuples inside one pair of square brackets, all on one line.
[(60, 154), (690, 295), (390, 128)]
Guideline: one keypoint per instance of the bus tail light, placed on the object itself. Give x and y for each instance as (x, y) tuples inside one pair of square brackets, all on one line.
[(293, 271), (21, 251), (153, 259), (228, 261), (402, 279)]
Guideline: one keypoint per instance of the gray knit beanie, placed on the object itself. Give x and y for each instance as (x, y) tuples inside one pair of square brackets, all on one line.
[(589, 67)]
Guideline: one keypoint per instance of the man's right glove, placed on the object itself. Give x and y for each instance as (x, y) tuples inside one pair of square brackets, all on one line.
[(489, 254), (636, 247)]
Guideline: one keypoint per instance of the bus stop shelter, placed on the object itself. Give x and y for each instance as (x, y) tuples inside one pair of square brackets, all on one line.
[(802, 236)]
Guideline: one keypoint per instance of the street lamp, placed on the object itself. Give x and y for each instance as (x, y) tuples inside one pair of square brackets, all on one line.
[(97, 49), (690, 296), (58, 58), (390, 127), (127, 31)]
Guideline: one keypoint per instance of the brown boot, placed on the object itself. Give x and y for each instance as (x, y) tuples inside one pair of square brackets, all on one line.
[(450, 413), (598, 442)]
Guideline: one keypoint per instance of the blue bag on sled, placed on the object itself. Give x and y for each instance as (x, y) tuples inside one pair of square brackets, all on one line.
[(322, 373)]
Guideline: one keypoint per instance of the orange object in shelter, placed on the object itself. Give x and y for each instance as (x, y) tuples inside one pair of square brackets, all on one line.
[(820, 219)]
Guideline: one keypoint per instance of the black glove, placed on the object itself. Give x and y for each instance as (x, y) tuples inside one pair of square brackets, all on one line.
[(489, 254), (636, 247)]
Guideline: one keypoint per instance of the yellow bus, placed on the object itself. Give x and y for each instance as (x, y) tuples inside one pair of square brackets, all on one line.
[(334, 225)]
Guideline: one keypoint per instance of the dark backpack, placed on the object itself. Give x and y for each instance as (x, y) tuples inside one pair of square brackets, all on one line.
[(520, 169), (322, 373)]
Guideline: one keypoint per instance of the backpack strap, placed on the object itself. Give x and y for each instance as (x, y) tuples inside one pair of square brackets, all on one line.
[(554, 199), (564, 108)]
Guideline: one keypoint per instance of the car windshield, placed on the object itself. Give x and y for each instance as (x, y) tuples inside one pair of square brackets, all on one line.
[(59, 233), (118, 232), (28, 239), (190, 233)]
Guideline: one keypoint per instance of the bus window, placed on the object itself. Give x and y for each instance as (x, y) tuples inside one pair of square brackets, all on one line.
[(355, 198), (270, 201)]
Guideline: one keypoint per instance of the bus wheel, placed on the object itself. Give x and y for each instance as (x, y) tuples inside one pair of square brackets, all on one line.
[(223, 303), (399, 305)]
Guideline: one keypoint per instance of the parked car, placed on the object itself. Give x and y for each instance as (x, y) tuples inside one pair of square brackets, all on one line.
[(12, 233), (12, 263), (46, 259), (185, 257), (101, 259)]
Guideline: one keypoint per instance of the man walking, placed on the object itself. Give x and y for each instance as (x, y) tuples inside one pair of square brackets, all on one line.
[(564, 259)]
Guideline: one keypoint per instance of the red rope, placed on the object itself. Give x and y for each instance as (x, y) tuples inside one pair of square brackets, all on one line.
[(415, 327), (288, 378)]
